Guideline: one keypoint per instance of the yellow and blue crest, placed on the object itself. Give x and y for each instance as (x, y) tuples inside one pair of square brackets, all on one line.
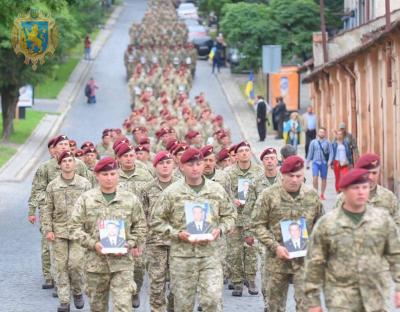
[(35, 36)]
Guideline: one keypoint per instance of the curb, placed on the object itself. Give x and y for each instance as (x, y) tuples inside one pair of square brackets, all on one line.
[(66, 97)]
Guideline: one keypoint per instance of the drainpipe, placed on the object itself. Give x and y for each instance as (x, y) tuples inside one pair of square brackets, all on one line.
[(388, 47)]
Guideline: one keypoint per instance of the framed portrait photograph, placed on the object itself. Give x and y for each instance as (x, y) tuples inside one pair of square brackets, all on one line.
[(198, 220), (295, 237), (112, 236), (243, 189)]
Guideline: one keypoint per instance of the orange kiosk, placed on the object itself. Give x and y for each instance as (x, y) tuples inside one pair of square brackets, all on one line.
[(285, 83)]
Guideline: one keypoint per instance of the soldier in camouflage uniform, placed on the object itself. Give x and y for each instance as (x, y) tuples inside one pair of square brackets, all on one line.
[(157, 247), (194, 265), (104, 148), (242, 257), (61, 195), (354, 253), (289, 200), (379, 196), (47, 172), (269, 177), (108, 273), (132, 174)]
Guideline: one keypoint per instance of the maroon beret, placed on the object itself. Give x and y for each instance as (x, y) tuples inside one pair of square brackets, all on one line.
[(232, 149), (79, 153), (191, 134), (144, 141), (241, 144), (171, 144), (268, 151), (368, 161), (106, 164), (58, 139), (218, 118), (191, 154), (106, 132), (123, 149), (160, 156), (117, 130), (207, 150), (292, 164), (141, 148), (63, 155), (223, 154), (90, 150), (179, 148), (50, 143), (119, 142), (87, 145), (355, 176), (162, 132), (72, 143)]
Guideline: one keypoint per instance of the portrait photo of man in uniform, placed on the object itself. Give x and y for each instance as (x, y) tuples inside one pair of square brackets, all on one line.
[(112, 236), (243, 189), (294, 238), (198, 215)]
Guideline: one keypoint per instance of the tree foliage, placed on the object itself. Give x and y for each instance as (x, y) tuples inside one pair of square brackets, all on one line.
[(289, 23), (13, 72)]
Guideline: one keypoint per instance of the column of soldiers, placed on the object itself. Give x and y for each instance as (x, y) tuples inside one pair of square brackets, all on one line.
[(171, 173)]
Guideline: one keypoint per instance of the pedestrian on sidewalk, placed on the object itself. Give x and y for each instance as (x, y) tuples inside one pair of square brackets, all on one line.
[(309, 127), (321, 155), (342, 157), (292, 130), (88, 47), (351, 140), (90, 91), (278, 116), (262, 110)]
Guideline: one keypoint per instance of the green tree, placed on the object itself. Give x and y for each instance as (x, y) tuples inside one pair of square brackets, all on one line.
[(207, 6), (244, 27)]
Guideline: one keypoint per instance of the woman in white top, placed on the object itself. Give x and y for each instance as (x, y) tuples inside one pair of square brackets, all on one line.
[(342, 158)]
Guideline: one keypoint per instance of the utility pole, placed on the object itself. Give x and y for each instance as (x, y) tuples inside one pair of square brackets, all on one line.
[(323, 30)]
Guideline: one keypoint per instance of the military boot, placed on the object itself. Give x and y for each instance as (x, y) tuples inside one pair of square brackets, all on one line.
[(63, 307), (252, 288), (199, 308), (136, 301), (79, 302), (238, 290), (48, 284), (55, 293), (230, 286)]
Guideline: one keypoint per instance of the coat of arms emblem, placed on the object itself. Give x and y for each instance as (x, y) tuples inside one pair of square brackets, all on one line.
[(34, 35)]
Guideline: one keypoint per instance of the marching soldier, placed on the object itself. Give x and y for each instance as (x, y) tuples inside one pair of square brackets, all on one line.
[(354, 253), (108, 273), (242, 259), (289, 200), (157, 247), (61, 195), (194, 263)]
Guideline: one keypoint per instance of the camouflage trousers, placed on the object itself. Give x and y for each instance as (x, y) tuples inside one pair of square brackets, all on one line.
[(45, 256), (68, 258), (276, 289), (138, 272), (242, 258), (191, 275), (222, 252), (158, 270), (119, 284)]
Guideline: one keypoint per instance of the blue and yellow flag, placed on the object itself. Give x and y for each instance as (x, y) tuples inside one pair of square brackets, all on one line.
[(249, 91)]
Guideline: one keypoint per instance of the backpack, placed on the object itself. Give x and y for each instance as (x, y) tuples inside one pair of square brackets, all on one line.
[(87, 90)]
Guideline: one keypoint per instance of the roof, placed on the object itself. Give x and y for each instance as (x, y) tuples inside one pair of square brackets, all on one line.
[(372, 39)]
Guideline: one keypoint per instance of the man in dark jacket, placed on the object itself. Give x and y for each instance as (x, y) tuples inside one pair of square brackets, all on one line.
[(278, 115), (262, 110)]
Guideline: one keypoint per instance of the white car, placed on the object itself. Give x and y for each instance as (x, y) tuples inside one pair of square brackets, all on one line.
[(187, 10)]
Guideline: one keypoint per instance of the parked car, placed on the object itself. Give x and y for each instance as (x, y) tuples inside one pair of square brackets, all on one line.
[(189, 22), (187, 10), (201, 40)]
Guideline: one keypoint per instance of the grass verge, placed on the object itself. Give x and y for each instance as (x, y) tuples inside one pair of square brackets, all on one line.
[(23, 128)]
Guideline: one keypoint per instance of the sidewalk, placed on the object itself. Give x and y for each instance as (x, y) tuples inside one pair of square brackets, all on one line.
[(30, 152), (246, 118)]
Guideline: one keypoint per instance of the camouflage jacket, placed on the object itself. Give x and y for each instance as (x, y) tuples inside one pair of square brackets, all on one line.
[(259, 184), (275, 205), (343, 256), (104, 151), (149, 194), (170, 219), (232, 176), (60, 200), (219, 176), (47, 172), (90, 209), (382, 198), (136, 180)]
